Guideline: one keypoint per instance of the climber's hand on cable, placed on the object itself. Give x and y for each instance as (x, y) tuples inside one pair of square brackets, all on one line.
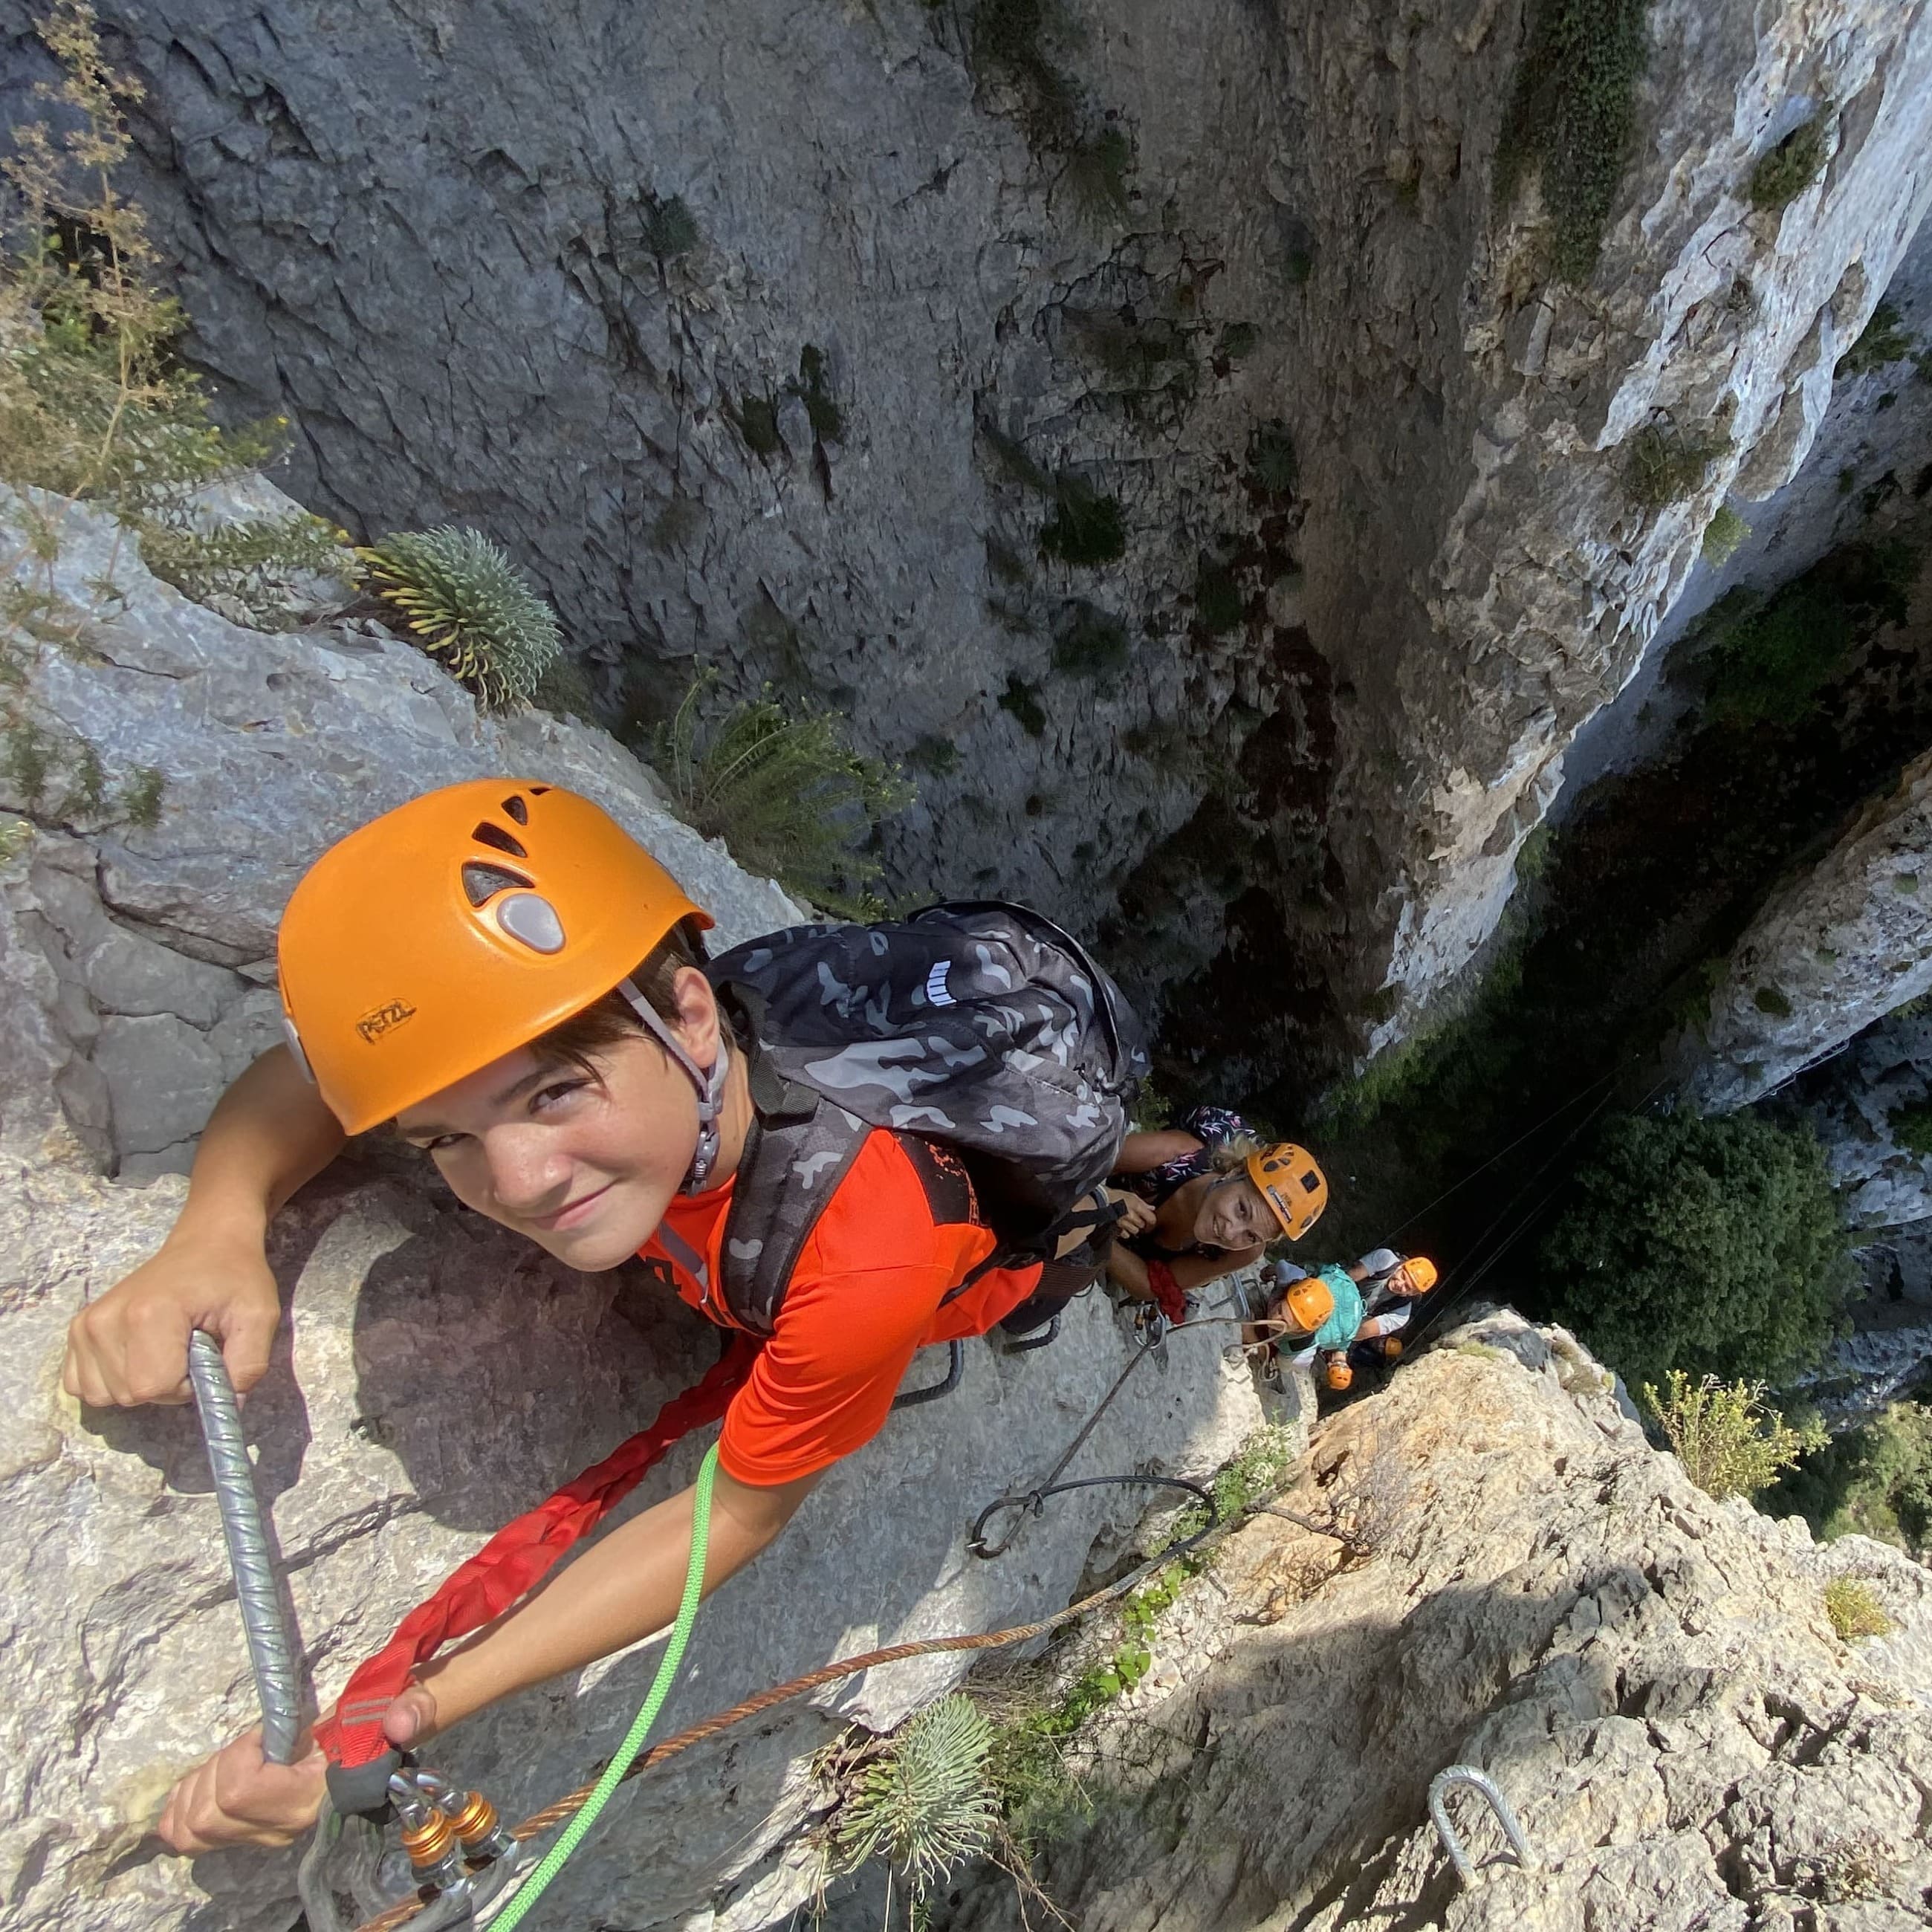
[(1136, 1216), (238, 1798), (131, 1346)]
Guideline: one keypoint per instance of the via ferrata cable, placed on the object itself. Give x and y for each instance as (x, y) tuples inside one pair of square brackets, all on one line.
[(527, 1893)]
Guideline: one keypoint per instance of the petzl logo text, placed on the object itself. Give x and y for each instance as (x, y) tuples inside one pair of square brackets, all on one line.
[(384, 1018)]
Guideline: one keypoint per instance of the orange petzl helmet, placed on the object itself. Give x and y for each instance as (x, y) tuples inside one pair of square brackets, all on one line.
[(1419, 1272), (1295, 1188), (1308, 1303), (1338, 1375), (457, 929)]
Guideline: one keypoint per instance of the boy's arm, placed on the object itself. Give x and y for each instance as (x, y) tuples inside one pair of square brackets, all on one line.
[(268, 1133), (619, 1591)]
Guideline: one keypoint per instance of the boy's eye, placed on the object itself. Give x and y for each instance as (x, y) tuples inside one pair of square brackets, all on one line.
[(557, 1091)]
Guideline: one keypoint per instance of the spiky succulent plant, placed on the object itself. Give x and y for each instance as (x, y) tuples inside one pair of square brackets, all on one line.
[(467, 605), (928, 1800)]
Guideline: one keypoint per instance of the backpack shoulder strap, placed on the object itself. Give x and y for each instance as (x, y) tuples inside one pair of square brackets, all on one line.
[(800, 1148)]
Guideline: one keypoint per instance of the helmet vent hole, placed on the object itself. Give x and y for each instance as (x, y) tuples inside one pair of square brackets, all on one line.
[(517, 809), (481, 883), (487, 834), (538, 791)]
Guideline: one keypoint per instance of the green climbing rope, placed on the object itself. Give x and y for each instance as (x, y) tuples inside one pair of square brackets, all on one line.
[(527, 1893)]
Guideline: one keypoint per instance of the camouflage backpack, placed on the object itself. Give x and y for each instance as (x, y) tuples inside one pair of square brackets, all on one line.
[(978, 1026)]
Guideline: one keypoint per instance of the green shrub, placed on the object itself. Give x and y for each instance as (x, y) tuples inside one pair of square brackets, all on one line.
[(1786, 171), (1765, 660), (1093, 644), (466, 604), (1769, 1000), (1712, 1246), (1911, 1126), (938, 757), (92, 404), (1882, 340), (785, 791), (1662, 465), (1021, 701), (248, 564), (1086, 528), (1875, 1480), (1096, 175), (1722, 535), (1731, 1444), (1854, 1612), (1218, 602), (757, 421), (1571, 118), (1272, 466), (827, 424), (1237, 341), (1005, 38), (670, 228), (928, 1800)]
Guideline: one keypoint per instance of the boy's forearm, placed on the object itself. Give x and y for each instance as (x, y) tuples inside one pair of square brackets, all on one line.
[(268, 1134), (622, 1588)]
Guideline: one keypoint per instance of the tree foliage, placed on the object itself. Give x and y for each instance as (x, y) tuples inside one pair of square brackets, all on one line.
[(1876, 1481), (1710, 1245)]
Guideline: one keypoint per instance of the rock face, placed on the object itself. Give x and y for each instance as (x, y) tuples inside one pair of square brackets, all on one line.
[(1851, 1101), (437, 1375), (1649, 1676), (1837, 948), (763, 336)]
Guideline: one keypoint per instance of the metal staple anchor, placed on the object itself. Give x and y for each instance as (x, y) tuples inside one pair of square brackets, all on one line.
[(248, 1558), (1439, 1809)]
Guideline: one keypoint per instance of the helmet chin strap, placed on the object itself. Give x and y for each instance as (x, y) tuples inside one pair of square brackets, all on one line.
[(710, 1087)]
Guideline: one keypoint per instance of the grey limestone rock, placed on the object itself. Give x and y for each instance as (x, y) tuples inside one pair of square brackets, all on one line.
[(1650, 1676), (448, 246), (1839, 947)]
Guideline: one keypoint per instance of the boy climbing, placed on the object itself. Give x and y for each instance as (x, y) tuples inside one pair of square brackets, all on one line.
[(501, 971), (1208, 1198)]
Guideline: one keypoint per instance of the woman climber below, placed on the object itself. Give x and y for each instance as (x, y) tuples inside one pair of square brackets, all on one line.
[(1350, 1317), (500, 970), (1208, 1197)]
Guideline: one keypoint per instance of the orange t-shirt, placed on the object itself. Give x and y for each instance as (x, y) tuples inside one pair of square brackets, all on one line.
[(901, 1229)]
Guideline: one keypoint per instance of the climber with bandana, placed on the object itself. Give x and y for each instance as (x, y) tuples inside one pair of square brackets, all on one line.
[(1207, 1196)]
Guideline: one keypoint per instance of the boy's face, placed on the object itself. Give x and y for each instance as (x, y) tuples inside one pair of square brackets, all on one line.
[(585, 1168)]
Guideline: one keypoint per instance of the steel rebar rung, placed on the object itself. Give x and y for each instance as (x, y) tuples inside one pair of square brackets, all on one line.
[(248, 1558), (1439, 1809)]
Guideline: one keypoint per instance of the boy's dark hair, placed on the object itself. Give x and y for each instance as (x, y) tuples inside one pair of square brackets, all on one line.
[(605, 1022)]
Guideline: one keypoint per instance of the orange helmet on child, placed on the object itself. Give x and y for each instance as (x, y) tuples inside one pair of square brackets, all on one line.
[(457, 929), (1292, 1183), (1338, 1376), (1307, 1302)]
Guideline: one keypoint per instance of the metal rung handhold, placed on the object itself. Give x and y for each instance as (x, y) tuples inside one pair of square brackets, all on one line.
[(1439, 1809)]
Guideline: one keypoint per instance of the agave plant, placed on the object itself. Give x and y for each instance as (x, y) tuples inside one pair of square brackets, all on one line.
[(468, 605), (927, 1801)]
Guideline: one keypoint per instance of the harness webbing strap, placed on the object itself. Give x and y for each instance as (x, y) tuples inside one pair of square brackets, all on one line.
[(515, 1557)]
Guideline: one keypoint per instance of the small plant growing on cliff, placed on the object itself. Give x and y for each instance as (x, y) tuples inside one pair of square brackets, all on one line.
[(1854, 1612), (669, 228), (1785, 172), (1882, 341), (1096, 175), (247, 566), (1663, 466), (927, 1801), (1218, 603), (1007, 40), (1722, 535), (1093, 643), (1911, 1126), (1731, 1444), (1086, 528), (785, 791), (1571, 118), (1272, 466), (467, 605)]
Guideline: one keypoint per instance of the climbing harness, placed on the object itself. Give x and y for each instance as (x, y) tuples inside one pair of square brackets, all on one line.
[(1439, 1809), (249, 1559)]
